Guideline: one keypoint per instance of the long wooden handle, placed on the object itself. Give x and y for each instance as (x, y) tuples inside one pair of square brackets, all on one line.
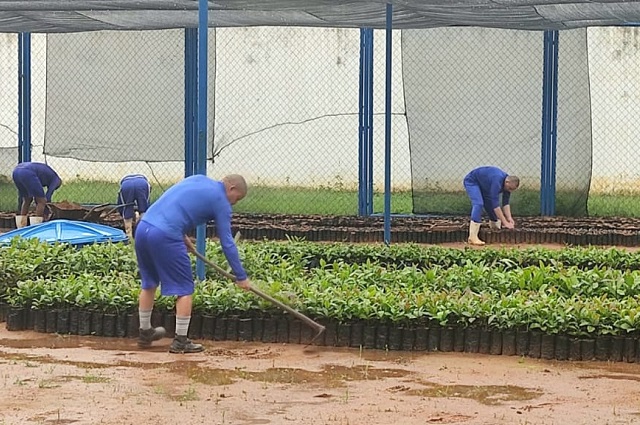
[(315, 325)]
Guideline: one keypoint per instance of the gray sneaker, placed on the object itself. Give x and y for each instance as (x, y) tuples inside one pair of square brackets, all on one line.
[(147, 336), (182, 344)]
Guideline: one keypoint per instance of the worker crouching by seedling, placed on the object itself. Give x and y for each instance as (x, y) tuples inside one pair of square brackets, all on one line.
[(484, 186), (135, 189), (30, 178), (162, 248)]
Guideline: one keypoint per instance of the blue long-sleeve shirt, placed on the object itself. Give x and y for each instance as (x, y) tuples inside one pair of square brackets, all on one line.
[(491, 182), (47, 176), (192, 202)]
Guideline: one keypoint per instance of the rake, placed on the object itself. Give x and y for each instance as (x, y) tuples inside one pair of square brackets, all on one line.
[(295, 313)]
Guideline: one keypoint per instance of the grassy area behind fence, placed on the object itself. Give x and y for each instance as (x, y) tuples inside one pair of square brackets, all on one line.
[(296, 200)]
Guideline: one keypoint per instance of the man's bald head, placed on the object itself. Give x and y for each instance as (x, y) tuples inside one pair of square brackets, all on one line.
[(236, 187), (511, 183)]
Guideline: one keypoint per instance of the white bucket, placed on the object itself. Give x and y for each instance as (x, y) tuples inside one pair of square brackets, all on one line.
[(19, 219), (35, 220)]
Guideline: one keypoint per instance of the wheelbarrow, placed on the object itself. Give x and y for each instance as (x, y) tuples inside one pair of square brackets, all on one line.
[(73, 211)]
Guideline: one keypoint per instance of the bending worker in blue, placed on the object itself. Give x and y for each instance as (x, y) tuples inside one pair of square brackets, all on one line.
[(484, 186), (134, 189), (30, 178), (162, 248)]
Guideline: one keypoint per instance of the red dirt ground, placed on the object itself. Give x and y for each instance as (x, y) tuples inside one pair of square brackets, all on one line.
[(51, 379)]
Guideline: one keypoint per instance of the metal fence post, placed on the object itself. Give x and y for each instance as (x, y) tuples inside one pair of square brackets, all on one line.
[(549, 124), (190, 98), (24, 99), (365, 129), (387, 129), (201, 152)]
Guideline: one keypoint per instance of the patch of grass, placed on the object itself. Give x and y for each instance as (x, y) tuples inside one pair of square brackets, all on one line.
[(93, 379), (47, 383), (331, 201), (189, 395)]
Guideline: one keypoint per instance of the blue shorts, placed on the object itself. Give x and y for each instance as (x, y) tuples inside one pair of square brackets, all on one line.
[(133, 191), (28, 183), (163, 261)]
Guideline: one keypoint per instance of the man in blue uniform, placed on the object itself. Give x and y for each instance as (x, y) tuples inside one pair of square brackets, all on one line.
[(484, 186), (162, 249), (134, 189), (30, 178)]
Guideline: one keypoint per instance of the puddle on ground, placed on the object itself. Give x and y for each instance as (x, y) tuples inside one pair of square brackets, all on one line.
[(331, 376), (485, 394), (33, 360), (55, 382), (16, 357), (612, 367), (400, 357), (56, 341), (608, 376), (129, 345)]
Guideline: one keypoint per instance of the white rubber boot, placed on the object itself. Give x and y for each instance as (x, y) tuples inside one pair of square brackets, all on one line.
[(21, 221), (474, 228), (495, 225), (35, 220)]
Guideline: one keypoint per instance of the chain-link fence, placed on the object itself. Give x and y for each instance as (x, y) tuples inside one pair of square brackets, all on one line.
[(8, 119), (474, 98), (283, 107), (614, 60)]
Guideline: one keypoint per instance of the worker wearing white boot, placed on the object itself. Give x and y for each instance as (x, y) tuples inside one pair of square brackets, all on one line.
[(484, 186), (134, 190), (30, 178)]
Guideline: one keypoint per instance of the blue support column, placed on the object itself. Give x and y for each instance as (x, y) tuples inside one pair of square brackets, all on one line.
[(369, 94), (190, 99), (201, 152), (365, 127), (362, 112), (387, 127), (24, 97), (549, 124)]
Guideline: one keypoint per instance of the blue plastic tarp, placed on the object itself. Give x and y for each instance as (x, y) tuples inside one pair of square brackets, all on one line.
[(76, 233)]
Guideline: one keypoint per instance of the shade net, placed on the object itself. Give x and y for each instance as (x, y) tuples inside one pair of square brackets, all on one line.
[(125, 100), (474, 97)]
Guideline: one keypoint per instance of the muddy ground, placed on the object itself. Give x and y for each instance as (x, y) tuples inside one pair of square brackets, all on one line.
[(51, 379)]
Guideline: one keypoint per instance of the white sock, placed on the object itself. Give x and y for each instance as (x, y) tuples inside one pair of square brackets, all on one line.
[(182, 325), (145, 319)]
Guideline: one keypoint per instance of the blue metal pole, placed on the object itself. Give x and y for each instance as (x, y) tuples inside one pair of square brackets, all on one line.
[(549, 124), (554, 124), (361, 129), (189, 86), (365, 134), (370, 121), (545, 125), (24, 99), (20, 96), (201, 155), (387, 129), (20, 113)]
